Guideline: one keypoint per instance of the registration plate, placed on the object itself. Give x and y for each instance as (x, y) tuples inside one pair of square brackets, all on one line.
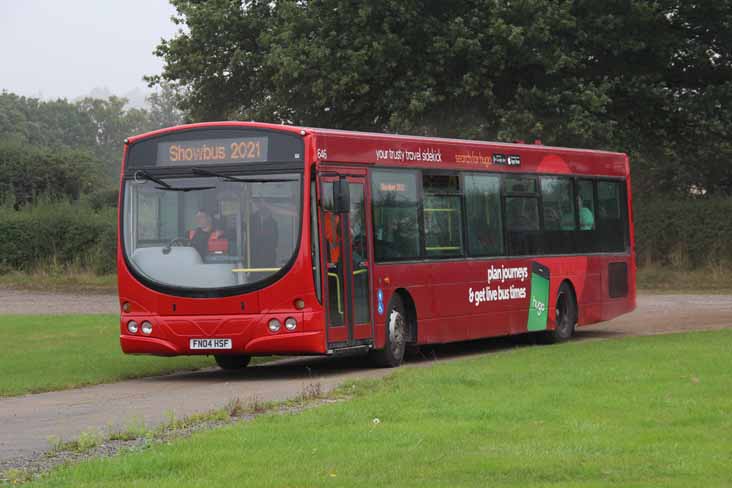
[(210, 343)]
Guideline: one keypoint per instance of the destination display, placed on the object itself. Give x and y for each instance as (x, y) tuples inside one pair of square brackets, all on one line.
[(213, 151)]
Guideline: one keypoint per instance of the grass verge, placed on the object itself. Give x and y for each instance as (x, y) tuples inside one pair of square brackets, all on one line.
[(70, 281), (54, 352), (709, 279), (644, 411)]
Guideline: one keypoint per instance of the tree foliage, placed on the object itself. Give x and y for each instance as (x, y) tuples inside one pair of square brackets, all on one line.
[(649, 77), (64, 149), (59, 173)]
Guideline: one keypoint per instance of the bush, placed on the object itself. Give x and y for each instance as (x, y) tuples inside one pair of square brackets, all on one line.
[(103, 198), (30, 171), (58, 234), (683, 233)]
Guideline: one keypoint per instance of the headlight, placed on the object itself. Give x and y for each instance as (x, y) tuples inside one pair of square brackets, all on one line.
[(146, 328), (290, 323), (132, 327), (274, 325)]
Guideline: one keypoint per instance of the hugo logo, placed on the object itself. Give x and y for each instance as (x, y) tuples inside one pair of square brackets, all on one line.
[(539, 306)]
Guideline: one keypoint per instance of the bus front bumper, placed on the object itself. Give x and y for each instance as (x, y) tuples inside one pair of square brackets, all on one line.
[(174, 336)]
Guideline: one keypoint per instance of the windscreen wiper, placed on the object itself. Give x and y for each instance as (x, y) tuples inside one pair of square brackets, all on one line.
[(205, 172), (168, 187)]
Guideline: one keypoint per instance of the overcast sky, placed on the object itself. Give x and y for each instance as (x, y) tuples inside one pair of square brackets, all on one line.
[(66, 48)]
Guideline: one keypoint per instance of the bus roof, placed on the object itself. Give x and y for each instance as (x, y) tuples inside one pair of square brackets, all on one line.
[(342, 146)]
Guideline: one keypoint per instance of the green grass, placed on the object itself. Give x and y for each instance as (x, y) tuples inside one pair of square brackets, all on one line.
[(54, 352), (65, 280), (649, 411)]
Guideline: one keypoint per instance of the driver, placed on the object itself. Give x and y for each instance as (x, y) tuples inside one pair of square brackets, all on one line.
[(203, 238)]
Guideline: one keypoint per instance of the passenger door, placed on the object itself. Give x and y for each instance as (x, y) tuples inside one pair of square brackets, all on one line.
[(346, 245)]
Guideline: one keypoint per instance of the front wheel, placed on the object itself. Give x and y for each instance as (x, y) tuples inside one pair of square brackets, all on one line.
[(232, 363), (396, 337), (565, 317)]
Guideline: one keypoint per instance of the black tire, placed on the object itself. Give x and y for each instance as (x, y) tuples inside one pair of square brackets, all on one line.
[(396, 336), (565, 316), (232, 363)]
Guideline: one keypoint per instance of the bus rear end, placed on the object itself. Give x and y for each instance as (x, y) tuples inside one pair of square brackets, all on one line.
[(214, 254)]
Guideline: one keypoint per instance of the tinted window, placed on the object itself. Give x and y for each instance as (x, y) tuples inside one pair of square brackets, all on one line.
[(523, 225), (611, 228), (442, 215), (586, 205), (395, 209), (520, 184), (556, 194), (483, 205), (586, 237), (559, 218)]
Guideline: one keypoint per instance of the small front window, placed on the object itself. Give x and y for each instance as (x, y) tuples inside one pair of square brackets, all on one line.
[(210, 232)]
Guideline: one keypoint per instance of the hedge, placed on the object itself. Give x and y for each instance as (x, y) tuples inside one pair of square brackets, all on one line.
[(682, 233), (58, 233)]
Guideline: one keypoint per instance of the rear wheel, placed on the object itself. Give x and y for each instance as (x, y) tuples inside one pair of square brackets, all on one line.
[(565, 316), (232, 363), (396, 336)]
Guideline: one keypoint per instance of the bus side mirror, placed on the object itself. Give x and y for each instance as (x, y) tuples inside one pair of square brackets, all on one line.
[(341, 196)]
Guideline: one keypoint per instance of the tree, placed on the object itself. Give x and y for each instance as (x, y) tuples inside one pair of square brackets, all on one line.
[(647, 77), (164, 111), (95, 127), (45, 123), (113, 123)]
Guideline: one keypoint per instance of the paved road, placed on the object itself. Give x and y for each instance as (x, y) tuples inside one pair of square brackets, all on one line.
[(14, 301), (27, 422)]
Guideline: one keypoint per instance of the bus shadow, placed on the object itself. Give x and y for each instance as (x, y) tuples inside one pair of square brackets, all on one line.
[(306, 367)]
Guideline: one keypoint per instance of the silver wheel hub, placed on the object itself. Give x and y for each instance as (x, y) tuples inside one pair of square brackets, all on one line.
[(396, 332)]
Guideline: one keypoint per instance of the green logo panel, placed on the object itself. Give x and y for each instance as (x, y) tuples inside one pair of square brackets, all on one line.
[(539, 299)]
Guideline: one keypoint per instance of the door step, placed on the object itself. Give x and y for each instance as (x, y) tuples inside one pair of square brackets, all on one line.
[(350, 350)]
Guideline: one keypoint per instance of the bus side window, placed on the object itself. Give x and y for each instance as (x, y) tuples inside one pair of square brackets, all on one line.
[(586, 205), (483, 206), (611, 219), (395, 210), (522, 225), (559, 223), (587, 240), (443, 233), (523, 222)]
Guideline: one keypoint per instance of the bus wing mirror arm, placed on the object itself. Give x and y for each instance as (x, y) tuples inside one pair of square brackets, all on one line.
[(341, 196)]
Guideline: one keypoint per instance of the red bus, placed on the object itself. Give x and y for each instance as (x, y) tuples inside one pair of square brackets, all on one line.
[(246, 239)]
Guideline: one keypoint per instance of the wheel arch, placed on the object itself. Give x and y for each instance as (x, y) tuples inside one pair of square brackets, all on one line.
[(574, 295), (411, 310)]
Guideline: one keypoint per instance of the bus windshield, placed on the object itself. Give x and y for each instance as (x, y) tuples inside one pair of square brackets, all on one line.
[(211, 232)]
